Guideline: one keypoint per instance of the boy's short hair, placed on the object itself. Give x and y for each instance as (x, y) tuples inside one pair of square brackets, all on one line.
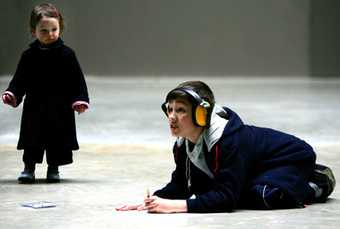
[(201, 88)]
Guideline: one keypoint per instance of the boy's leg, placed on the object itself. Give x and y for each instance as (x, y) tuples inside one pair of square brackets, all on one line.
[(281, 187), (322, 182), (266, 197)]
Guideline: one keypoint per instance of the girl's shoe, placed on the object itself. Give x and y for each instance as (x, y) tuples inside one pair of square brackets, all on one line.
[(52, 174), (27, 176)]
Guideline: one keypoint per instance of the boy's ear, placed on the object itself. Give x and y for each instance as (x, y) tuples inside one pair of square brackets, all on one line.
[(164, 108)]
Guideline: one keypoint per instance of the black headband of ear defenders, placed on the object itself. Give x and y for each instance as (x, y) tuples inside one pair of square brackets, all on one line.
[(196, 99)]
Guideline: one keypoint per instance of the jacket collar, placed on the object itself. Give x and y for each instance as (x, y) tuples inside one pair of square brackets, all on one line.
[(209, 137), (213, 133)]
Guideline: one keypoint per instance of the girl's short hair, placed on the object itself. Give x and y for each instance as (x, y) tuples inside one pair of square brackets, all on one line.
[(45, 10)]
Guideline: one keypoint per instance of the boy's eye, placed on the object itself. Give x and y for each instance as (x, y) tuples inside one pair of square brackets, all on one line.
[(180, 110), (169, 109)]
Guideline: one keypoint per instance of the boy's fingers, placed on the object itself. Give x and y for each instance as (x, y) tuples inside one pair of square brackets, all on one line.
[(120, 208), (141, 208), (127, 207), (149, 200), (123, 208), (151, 207)]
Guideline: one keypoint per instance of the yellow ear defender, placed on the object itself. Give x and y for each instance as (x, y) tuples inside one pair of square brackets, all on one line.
[(200, 108), (201, 113)]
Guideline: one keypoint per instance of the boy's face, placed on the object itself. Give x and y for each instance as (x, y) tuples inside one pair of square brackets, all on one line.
[(180, 120), (47, 30)]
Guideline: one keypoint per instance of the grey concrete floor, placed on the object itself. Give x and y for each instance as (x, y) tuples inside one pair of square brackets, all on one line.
[(126, 148)]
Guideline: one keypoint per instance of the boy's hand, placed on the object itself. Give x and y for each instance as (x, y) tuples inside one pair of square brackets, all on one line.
[(9, 99), (155, 204), (130, 207)]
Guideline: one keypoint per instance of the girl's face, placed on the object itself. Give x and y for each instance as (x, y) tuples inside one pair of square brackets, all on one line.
[(180, 120), (47, 30)]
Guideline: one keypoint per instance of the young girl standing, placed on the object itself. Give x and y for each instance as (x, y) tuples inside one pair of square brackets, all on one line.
[(50, 78)]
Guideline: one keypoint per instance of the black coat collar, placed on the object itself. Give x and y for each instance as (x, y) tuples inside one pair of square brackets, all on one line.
[(38, 45)]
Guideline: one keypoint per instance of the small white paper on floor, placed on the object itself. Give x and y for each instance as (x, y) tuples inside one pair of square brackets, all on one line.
[(39, 204)]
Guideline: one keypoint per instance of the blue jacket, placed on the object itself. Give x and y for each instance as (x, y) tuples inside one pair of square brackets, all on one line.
[(243, 158)]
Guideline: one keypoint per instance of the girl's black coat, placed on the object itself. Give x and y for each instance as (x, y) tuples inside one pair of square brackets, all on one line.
[(51, 80), (245, 156)]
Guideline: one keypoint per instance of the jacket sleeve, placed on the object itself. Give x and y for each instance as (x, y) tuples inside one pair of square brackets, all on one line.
[(18, 83), (79, 87), (225, 192), (177, 188)]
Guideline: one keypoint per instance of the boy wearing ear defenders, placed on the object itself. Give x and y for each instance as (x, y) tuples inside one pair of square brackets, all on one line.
[(223, 164)]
